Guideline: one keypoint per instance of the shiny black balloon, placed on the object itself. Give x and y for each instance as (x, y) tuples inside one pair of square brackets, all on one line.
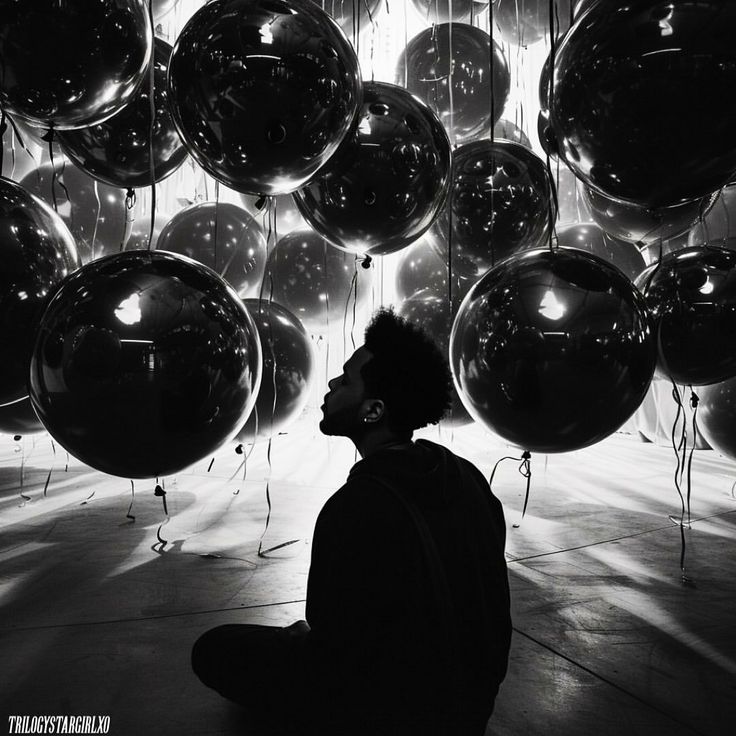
[(643, 105), (500, 204), (72, 64), (319, 283), (20, 418), (440, 11), (717, 416), (353, 17), (644, 225), (94, 212), (480, 77), (288, 370), (144, 363), (420, 267), (525, 22), (37, 252), (118, 150), (431, 309), (553, 350), (592, 239), (692, 295), (224, 237), (389, 181), (263, 91)]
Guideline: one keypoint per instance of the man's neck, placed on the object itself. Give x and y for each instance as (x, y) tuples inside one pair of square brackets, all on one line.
[(375, 442)]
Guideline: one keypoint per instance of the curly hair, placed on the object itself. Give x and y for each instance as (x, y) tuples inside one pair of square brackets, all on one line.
[(407, 371)]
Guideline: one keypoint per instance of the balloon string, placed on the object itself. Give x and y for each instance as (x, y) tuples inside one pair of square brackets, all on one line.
[(694, 401), (353, 290), (151, 127), (525, 468), (53, 462), (160, 491), (95, 189), (49, 138), (214, 225), (128, 515), (22, 472), (3, 128), (451, 71)]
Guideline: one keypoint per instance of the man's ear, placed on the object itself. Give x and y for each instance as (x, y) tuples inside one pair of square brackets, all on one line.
[(373, 410)]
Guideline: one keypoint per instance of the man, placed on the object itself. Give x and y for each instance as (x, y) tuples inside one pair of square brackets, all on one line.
[(407, 600)]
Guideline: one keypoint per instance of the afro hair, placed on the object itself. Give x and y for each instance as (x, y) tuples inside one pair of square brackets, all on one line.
[(407, 371)]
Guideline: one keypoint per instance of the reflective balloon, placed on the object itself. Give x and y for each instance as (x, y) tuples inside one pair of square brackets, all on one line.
[(145, 362), (37, 251), (692, 295), (553, 350), (118, 150), (500, 199), (319, 283), (19, 418), (644, 225), (388, 182), (592, 239), (478, 70), (718, 226), (420, 267), (72, 64), (279, 214), (717, 416), (94, 212), (288, 370), (224, 237), (524, 22), (642, 104), (263, 91), (353, 17), (431, 310), (441, 11)]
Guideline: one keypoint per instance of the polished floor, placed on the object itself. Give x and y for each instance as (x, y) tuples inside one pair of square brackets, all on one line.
[(98, 614)]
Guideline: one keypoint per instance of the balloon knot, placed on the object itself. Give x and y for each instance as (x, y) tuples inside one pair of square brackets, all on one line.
[(367, 262), (158, 491), (239, 450)]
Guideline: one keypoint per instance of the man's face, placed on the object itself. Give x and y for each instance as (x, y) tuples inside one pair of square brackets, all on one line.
[(343, 402)]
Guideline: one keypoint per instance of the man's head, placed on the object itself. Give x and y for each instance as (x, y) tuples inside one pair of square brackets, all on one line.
[(396, 382)]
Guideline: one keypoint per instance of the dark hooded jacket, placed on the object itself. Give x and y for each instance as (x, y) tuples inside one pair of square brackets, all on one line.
[(408, 598)]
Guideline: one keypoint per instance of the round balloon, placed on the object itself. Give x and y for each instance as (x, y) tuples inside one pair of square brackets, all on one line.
[(72, 64), (431, 310), (553, 350), (718, 225), (353, 17), (525, 22), (224, 237), (317, 282), (389, 181), (263, 91), (592, 239), (144, 363), (288, 370), (37, 252), (95, 213), (500, 203), (126, 150), (19, 418), (692, 295), (642, 104), (442, 11), (644, 225), (467, 88), (717, 416)]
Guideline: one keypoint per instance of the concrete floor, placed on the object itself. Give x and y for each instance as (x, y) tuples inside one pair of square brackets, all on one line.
[(98, 616)]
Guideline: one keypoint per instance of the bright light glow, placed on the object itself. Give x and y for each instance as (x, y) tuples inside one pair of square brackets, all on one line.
[(550, 307), (707, 287), (266, 35), (129, 312)]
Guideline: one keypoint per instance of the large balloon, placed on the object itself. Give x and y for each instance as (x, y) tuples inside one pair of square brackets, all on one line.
[(319, 283), (717, 416), (524, 22), (431, 309), (37, 251), (553, 350), (467, 88), (442, 11), (224, 237), (692, 294), (72, 64), (353, 17), (118, 151), (718, 226), (263, 91), (644, 225), (20, 418), (288, 370), (388, 182), (94, 212), (145, 362), (642, 105), (589, 237), (500, 203)]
